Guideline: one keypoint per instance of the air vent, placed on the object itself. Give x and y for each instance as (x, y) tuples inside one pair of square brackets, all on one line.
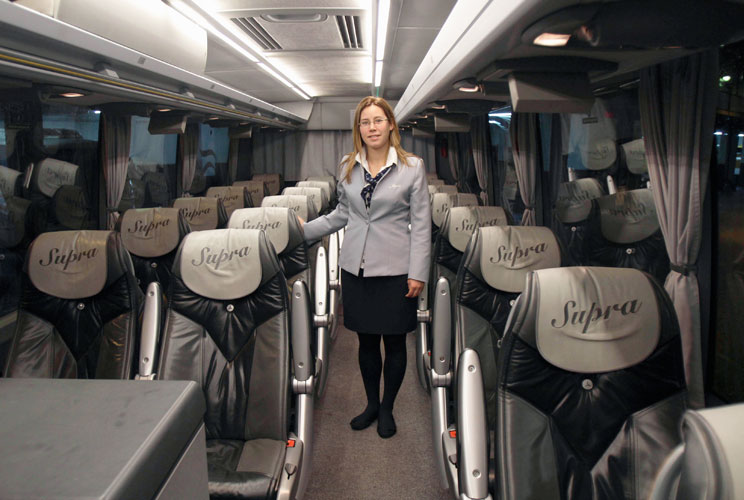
[(351, 33), (253, 29)]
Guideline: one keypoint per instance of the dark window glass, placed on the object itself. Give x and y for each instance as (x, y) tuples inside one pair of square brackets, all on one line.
[(211, 163)]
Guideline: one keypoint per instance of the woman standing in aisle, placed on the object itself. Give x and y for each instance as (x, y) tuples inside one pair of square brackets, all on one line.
[(384, 265)]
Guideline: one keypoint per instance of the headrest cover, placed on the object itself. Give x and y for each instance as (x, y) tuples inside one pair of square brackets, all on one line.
[(574, 203), (464, 220), (509, 253), (431, 175), (9, 182), (51, 174), (440, 203), (445, 188), (69, 264), (628, 217), (314, 193), (432, 189), (221, 264), (433, 181), (595, 319), (150, 232), (232, 197), (272, 182), (274, 221), (13, 221), (324, 186), (71, 207), (635, 156), (599, 153), (299, 203), (254, 188), (201, 212), (466, 200), (324, 178)]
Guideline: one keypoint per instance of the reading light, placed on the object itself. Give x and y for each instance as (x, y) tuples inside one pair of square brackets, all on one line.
[(72, 94), (726, 78), (164, 110), (467, 85), (552, 39), (436, 105)]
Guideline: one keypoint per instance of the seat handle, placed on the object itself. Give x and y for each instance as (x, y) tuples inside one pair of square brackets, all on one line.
[(472, 432), (150, 334), (441, 354), (301, 327)]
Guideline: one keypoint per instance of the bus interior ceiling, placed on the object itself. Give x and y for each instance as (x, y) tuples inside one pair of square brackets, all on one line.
[(129, 104)]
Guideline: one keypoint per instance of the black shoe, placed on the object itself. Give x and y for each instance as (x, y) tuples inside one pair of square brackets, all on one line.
[(386, 424), (364, 419)]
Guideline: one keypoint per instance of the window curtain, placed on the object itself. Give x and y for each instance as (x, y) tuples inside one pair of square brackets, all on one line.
[(420, 146), (298, 155), (480, 137), (453, 155), (677, 103), (523, 133), (188, 154), (232, 160), (117, 132)]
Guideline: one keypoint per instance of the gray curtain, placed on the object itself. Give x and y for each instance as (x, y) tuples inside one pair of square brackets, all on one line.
[(523, 132), (480, 137), (189, 152), (420, 146), (298, 155), (677, 104), (453, 155), (232, 160), (117, 134)]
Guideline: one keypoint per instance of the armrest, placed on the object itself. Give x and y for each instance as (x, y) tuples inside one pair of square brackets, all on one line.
[(150, 333), (333, 278), (301, 357), (321, 288), (472, 432), (441, 355)]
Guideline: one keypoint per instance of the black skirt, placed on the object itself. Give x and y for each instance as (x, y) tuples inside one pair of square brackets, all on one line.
[(377, 304)]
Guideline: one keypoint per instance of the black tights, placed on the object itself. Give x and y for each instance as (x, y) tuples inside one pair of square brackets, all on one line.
[(370, 364)]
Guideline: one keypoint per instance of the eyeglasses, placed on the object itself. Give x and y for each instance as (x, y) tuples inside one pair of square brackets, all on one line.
[(376, 121)]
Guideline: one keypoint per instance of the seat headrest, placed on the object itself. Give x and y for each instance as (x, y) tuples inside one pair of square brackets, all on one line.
[(324, 186), (301, 204), (443, 188), (13, 221), (440, 203), (508, 253), (466, 200), (256, 190), (273, 182), (325, 178), (70, 264), (431, 175), (628, 217), (10, 182), (151, 232), (462, 221), (574, 203), (71, 207), (595, 319), (315, 194), (50, 174), (599, 153), (233, 197), (434, 181), (222, 264), (200, 212), (274, 221), (635, 156)]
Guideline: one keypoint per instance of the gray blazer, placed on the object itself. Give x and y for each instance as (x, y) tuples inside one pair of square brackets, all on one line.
[(381, 236)]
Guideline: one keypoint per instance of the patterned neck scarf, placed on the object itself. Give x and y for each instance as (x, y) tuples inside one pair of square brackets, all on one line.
[(372, 184)]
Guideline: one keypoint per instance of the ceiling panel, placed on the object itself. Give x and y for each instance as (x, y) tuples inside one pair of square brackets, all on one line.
[(424, 13), (410, 47)]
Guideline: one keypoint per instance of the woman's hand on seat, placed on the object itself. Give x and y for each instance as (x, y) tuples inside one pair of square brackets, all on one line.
[(414, 288)]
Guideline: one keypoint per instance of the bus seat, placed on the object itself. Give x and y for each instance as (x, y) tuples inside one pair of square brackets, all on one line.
[(591, 387), (71, 208), (316, 194), (11, 182), (325, 178), (440, 203), (228, 305), (50, 174), (466, 200), (79, 308), (256, 190), (708, 463), (233, 197), (625, 232), (274, 182), (442, 188), (327, 188), (151, 236), (301, 204), (432, 181), (202, 213), (571, 214)]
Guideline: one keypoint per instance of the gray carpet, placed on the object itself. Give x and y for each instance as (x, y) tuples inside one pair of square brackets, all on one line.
[(360, 465)]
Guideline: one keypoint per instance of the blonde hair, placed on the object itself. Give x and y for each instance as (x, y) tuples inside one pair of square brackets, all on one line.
[(350, 160)]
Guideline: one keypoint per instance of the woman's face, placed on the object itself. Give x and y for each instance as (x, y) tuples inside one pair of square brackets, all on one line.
[(374, 127)]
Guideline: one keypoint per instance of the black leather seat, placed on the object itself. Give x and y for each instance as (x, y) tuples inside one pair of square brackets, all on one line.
[(625, 232), (233, 197), (571, 216), (256, 190), (151, 236), (227, 328), (591, 386), (202, 213), (78, 316)]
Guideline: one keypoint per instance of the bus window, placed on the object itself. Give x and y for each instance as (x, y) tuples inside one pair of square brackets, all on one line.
[(211, 162), (3, 150), (151, 174)]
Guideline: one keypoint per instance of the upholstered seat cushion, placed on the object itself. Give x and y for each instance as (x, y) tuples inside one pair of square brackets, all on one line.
[(244, 469)]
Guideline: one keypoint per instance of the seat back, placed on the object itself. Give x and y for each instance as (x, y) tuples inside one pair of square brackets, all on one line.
[(233, 197), (256, 190), (326, 187), (440, 203), (442, 188), (325, 178), (283, 230), (227, 329), (491, 277), (433, 181), (591, 386), (316, 194), (202, 213), (571, 215), (625, 232), (79, 308), (50, 174), (466, 200), (302, 205), (151, 236), (274, 182)]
